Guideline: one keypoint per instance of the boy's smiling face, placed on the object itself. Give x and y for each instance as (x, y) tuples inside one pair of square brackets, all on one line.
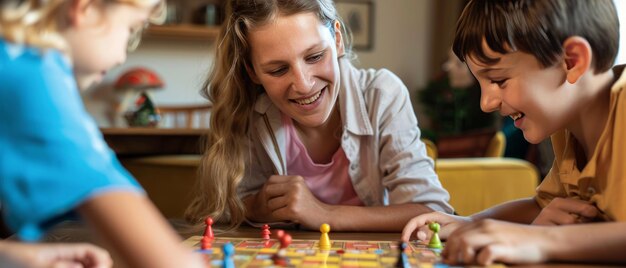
[(539, 99)]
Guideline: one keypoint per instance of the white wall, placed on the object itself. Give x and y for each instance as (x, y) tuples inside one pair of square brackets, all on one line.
[(621, 12), (402, 32), (183, 65)]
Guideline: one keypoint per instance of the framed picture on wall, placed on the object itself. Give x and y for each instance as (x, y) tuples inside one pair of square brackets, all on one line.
[(358, 15)]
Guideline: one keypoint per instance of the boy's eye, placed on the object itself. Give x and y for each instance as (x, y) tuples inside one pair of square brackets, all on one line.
[(499, 82)]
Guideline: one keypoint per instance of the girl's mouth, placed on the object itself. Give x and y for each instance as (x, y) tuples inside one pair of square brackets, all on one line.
[(309, 100)]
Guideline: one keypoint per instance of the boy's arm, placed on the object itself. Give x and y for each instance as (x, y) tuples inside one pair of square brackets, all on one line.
[(520, 211), (133, 229), (579, 242)]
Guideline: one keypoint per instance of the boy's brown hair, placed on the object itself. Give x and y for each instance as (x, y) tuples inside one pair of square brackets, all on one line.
[(538, 27)]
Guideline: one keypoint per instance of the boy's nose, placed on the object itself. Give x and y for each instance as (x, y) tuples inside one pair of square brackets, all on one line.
[(489, 100)]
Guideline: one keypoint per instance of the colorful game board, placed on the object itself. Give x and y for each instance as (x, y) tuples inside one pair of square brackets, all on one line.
[(305, 253)]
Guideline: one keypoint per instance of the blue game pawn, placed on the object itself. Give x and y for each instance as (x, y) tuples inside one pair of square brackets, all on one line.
[(229, 250), (403, 259)]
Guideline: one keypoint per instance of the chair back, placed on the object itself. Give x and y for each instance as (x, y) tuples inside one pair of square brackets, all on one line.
[(189, 116), (496, 146)]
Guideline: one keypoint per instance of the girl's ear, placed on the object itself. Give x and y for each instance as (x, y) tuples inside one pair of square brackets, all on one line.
[(578, 57), (252, 74), (339, 39), (78, 11)]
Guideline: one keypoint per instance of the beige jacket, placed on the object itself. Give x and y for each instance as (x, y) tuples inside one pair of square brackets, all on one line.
[(388, 161)]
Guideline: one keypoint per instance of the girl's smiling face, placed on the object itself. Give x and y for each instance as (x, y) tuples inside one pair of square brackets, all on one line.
[(294, 58)]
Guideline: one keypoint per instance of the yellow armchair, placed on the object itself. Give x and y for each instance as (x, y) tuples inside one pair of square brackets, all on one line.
[(475, 184), (478, 183)]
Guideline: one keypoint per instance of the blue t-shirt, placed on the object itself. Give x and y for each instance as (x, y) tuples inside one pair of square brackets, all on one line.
[(52, 155)]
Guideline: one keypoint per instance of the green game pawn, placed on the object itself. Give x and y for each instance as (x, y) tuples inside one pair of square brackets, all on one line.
[(434, 243)]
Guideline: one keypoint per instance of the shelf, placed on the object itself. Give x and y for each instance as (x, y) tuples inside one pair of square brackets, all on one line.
[(183, 32)]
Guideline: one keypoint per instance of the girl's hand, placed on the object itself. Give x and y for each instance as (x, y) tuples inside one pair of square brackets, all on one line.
[(17, 254), (487, 241), (419, 224), (289, 198), (563, 211)]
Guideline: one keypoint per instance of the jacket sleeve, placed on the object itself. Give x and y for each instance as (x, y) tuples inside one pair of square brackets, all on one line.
[(409, 174)]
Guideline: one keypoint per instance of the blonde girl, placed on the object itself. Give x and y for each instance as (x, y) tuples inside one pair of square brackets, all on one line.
[(299, 135)]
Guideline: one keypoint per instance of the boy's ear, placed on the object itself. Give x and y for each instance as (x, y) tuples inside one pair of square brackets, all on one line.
[(339, 38), (578, 57), (78, 11)]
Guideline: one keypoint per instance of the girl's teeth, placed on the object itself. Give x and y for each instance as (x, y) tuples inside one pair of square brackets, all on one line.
[(309, 100)]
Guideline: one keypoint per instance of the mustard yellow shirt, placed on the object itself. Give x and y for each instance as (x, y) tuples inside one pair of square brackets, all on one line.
[(603, 180)]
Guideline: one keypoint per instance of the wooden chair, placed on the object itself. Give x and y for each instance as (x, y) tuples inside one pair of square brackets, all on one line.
[(190, 116)]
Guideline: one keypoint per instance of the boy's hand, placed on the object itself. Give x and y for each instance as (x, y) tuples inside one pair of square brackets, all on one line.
[(289, 198), (419, 224), (561, 211), (16, 254), (487, 241)]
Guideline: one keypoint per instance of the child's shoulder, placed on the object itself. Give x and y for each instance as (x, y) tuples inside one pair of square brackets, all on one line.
[(20, 58), (25, 65)]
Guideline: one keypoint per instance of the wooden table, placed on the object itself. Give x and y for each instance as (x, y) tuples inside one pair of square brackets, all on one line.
[(138, 141)]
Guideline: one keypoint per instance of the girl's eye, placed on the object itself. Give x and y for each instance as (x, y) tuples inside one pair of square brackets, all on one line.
[(315, 57), (278, 72)]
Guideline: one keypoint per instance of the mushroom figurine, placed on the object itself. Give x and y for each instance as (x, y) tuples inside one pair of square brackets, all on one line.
[(137, 106)]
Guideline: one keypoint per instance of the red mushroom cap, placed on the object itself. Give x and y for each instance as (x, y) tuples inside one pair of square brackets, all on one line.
[(138, 78)]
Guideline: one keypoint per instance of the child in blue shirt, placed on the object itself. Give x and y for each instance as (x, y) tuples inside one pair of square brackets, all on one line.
[(53, 160)]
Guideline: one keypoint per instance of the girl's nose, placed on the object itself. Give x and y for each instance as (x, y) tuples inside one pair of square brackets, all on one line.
[(302, 80)]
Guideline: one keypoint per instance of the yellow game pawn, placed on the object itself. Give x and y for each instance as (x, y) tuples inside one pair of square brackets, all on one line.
[(324, 243), (434, 243)]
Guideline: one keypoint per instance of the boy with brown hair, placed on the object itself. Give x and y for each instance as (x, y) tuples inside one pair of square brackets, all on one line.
[(547, 65)]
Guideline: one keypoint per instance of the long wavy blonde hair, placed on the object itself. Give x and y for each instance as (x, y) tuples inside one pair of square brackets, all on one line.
[(38, 22), (233, 95)]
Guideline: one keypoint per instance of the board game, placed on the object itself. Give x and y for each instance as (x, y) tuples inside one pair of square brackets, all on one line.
[(305, 253)]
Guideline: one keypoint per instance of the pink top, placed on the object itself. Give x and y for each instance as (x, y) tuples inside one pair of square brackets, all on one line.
[(330, 182)]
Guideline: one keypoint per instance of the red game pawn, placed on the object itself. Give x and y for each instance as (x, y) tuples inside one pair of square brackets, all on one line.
[(285, 241), (265, 232), (280, 258), (208, 231), (206, 243)]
